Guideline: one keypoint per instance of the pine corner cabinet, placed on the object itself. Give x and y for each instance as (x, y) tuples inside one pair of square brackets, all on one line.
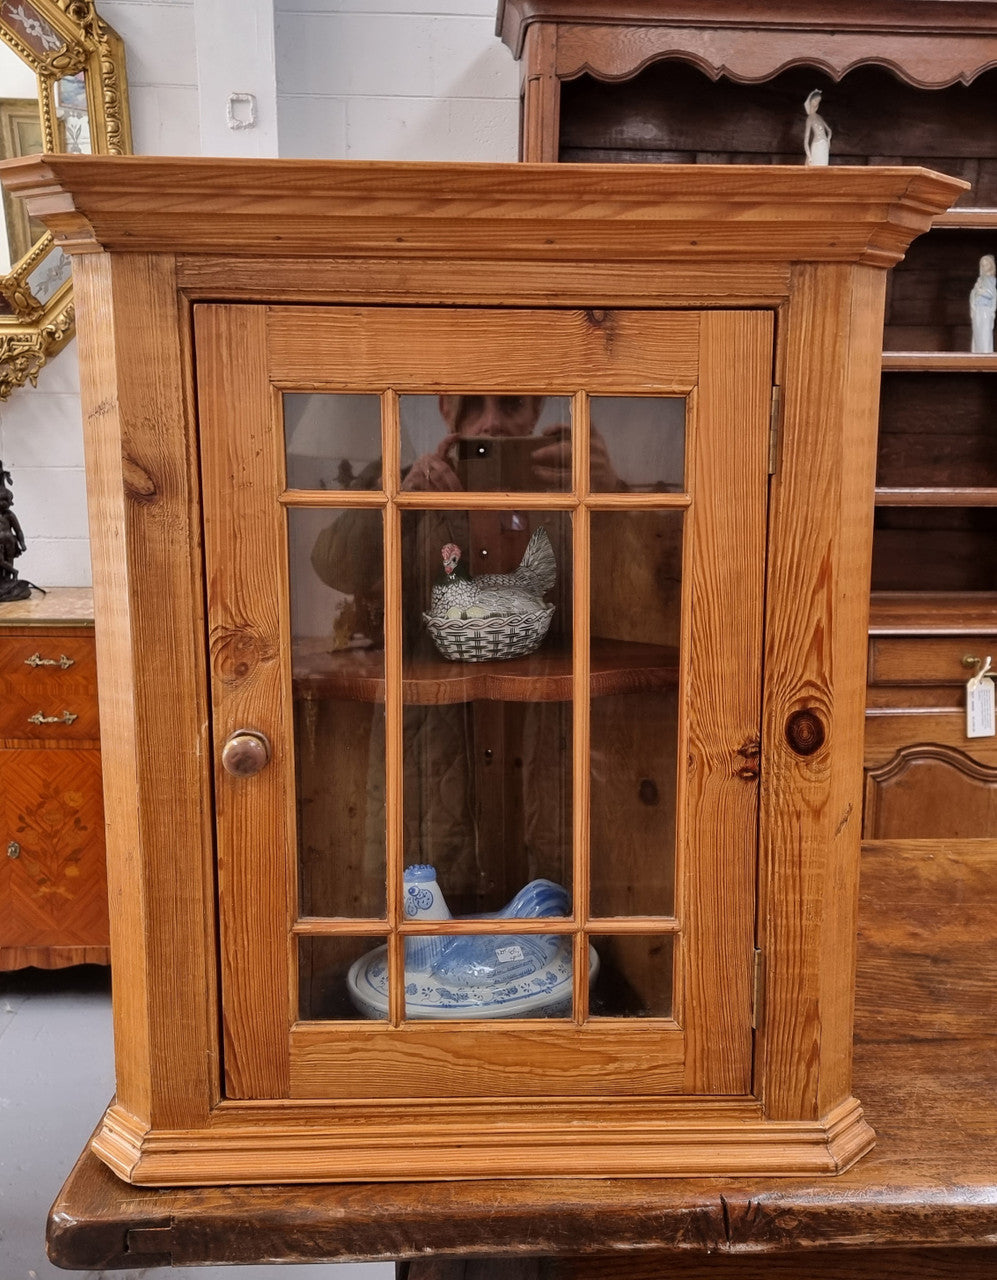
[(481, 559)]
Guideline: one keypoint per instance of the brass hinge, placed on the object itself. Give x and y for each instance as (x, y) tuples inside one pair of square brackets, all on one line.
[(757, 990), (775, 429)]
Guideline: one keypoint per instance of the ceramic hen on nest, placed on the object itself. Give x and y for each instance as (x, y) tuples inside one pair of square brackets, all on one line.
[(492, 615)]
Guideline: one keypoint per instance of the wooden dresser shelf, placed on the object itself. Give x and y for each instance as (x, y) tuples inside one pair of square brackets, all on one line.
[(938, 361), (932, 613), (544, 676), (923, 496)]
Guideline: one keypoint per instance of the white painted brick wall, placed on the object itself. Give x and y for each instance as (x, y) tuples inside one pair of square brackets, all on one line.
[(41, 432), (363, 79), (415, 81)]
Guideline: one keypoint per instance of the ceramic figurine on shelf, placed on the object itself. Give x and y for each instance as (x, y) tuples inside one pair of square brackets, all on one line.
[(11, 544), (475, 975), (983, 307), (493, 615), (458, 595), (816, 132)]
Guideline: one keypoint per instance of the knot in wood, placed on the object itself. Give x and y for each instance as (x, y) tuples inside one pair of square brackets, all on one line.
[(236, 655), (805, 732)]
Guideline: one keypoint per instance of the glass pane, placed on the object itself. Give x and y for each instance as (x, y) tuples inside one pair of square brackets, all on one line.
[(51, 273), (487, 716), (489, 976), (638, 444), (486, 443), (636, 614), (339, 978), (72, 114), (333, 441), (635, 977), (338, 666)]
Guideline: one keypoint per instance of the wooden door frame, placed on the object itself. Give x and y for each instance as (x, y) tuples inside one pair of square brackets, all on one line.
[(244, 355)]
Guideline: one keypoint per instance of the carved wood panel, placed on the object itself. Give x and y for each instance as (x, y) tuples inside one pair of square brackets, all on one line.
[(52, 885), (930, 791)]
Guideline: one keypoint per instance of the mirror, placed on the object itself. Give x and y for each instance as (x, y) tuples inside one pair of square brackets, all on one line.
[(62, 88)]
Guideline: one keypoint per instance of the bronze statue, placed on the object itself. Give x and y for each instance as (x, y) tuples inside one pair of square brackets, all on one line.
[(11, 544)]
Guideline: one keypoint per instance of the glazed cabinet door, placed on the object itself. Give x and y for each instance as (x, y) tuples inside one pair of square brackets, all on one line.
[(486, 791)]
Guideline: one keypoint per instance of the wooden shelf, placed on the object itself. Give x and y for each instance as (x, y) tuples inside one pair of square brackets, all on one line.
[(966, 219), (544, 676), (938, 361), (933, 613), (936, 497)]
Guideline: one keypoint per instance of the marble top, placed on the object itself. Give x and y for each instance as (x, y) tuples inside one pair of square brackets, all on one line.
[(60, 606)]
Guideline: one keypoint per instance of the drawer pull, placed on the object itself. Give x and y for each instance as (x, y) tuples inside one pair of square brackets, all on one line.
[(13, 849), (36, 660), (67, 717)]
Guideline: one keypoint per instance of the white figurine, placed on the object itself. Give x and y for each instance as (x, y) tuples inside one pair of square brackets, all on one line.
[(816, 134), (983, 307)]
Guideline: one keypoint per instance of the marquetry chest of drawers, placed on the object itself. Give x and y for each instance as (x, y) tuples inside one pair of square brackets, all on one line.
[(53, 893)]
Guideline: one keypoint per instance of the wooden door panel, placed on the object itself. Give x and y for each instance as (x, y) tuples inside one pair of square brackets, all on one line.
[(722, 361), (626, 352), (929, 791), (420, 1062)]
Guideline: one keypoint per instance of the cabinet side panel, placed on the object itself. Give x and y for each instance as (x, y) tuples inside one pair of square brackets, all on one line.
[(862, 359), (148, 592), (820, 540)]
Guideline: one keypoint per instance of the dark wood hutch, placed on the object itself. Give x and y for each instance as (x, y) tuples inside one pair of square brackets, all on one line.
[(909, 82)]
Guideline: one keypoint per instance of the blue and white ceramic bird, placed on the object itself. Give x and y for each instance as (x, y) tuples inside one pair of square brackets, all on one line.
[(489, 595), (475, 975)]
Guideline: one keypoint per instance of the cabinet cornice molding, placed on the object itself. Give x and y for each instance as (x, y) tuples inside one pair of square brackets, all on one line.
[(331, 209)]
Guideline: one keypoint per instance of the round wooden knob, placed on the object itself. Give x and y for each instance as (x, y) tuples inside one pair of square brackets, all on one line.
[(246, 752), (805, 732)]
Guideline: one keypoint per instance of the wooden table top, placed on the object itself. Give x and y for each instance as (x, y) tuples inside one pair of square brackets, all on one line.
[(925, 1069)]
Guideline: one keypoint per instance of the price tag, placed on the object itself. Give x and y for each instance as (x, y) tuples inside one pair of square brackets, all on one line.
[(981, 721)]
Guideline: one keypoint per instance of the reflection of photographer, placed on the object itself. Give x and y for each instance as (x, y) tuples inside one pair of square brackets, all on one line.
[(348, 554), (506, 418), (449, 784)]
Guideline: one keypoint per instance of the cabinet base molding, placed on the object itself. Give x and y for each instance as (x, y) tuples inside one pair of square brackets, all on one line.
[(51, 957), (678, 1137)]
